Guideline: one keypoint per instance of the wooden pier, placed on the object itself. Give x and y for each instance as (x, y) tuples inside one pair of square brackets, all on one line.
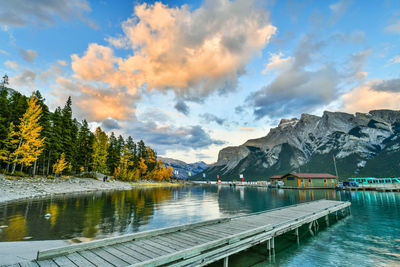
[(195, 244)]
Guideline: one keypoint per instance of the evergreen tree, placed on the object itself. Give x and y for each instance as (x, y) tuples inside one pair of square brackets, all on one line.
[(141, 150), (45, 122), (4, 114), (114, 153), (100, 148), (69, 130), (84, 148), (30, 144), (56, 147), (17, 107)]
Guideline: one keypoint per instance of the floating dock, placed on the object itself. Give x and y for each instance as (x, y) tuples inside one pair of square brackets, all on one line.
[(196, 244)]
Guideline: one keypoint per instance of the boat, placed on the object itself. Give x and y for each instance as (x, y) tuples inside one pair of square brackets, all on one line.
[(372, 182)]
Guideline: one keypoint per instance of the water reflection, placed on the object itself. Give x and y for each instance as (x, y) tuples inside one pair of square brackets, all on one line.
[(89, 216), (369, 237)]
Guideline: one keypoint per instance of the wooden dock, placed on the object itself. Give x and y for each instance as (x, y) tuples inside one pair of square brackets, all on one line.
[(195, 244)]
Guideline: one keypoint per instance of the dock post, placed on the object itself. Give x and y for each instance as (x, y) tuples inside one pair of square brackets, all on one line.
[(349, 210), (336, 216), (327, 219), (226, 260), (297, 236), (310, 228), (269, 247), (273, 246)]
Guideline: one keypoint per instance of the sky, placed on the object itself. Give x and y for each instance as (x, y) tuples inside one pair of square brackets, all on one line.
[(192, 77)]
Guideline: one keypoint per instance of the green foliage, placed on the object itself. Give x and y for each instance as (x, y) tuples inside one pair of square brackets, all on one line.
[(61, 142)]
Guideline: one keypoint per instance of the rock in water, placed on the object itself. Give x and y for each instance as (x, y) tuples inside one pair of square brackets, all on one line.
[(47, 216)]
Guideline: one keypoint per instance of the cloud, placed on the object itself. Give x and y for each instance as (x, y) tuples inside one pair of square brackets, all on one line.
[(96, 103), (374, 94), (62, 62), (394, 60), (194, 53), (12, 64), (276, 62), (182, 107), (4, 52), (42, 12), (306, 83), (354, 37), (168, 137), (338, 9), (28, 55), (392, 85), (393, 28), (26, 78), (208, 117), (110, 124), (53, 72)]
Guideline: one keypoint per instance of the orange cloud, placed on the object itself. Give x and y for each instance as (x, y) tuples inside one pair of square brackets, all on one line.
[(194, 53), (97, 103), (363, 98)]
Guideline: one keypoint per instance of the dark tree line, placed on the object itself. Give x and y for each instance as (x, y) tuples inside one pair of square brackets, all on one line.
[(65, 137)]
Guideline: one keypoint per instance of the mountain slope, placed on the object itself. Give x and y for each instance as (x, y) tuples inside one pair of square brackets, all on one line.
[(184, 168), (366, 144)]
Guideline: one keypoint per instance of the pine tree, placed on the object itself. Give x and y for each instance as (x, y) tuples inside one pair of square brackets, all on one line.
[(30, 144), (4, 114), (45, 122), (100, 146), (84, 148), (69, 130), (114, 153), (150, 159)]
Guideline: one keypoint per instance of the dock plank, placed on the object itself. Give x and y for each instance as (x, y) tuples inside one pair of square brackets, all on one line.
[(94, 259), (101, 252), (192, 244)]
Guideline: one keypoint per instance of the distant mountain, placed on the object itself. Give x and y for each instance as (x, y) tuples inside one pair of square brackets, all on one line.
[(184, 168), (364, 144)]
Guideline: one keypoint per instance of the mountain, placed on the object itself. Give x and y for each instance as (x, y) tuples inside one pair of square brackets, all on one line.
[(184, 168), (364, 144)]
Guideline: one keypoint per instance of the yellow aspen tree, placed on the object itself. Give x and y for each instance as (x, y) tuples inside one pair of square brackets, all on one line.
[(60, 165), (142, 167), (30, 145), (10, 144)]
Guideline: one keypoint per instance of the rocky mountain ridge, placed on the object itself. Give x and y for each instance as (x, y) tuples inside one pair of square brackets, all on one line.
[(184, 168), (308, 144)]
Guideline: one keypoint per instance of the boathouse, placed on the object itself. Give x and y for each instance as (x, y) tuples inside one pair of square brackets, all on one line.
[(307, 180)]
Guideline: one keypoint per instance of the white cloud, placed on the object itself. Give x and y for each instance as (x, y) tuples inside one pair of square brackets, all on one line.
[(394, 60), (12, 64), (394, 28), (276, 62)]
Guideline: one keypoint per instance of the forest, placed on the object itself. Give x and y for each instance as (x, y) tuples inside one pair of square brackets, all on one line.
[(36, 141)]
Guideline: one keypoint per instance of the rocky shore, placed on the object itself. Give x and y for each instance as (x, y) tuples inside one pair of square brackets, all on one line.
[(24, 188)]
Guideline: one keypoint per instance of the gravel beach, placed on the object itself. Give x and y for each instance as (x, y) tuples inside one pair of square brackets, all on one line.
[(24, 188)]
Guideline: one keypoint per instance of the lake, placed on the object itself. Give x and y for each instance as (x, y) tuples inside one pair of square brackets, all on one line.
[(369, 237)]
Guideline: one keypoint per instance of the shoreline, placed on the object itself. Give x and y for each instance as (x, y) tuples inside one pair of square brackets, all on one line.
[(29, 188)]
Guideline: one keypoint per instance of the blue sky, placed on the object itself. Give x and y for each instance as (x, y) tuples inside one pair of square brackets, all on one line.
[(192, 77)]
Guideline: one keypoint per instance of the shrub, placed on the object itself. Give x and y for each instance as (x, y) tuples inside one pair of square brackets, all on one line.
[(50, 177)]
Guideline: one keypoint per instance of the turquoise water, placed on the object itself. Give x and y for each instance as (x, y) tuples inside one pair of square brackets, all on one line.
[(369, 237)]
